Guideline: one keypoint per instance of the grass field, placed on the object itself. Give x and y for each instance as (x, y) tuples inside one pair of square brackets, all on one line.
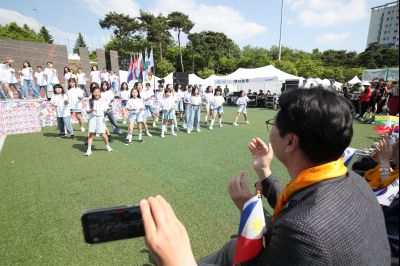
[(46, 182)]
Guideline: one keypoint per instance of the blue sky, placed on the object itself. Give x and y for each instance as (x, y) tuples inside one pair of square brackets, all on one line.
[(308, 24)]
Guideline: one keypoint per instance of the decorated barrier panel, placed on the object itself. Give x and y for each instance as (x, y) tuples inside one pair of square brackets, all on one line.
[(10, 110), (19, 120)]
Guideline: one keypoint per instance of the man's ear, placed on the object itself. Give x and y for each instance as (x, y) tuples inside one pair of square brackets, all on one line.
[(291, 142)]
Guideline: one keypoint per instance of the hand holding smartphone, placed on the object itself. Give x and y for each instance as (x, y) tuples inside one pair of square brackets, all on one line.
[(110, 224)]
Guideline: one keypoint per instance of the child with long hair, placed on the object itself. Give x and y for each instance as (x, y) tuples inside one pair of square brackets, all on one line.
[(186, 104), (241, 102), (195, 103), (135, 107), (124, 95), (96, 109), (28, 84), (60, 101), (75, 96), (157, 103), (108, 96), (208, 99), (217, 108), (168, 111), (139, 87), (95, 75)]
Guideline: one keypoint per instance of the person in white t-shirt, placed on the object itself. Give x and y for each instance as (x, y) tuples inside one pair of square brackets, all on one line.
[(61, 102), (135, 107), (114, 81), (105, 76), (95, 75), (168, 111), (97, 124), (40, 80), (13, 82), (5, 77), (208, 99), (217, 108), (67, 76), (124, 95), (157, 103), (195, 102), (75, 96), (187, 105), (108, 96), (81, 78), (241, 102), (139, 87), (51, 75), (28, 84)]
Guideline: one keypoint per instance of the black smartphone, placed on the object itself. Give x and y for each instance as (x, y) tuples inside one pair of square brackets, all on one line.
[(110, 224)]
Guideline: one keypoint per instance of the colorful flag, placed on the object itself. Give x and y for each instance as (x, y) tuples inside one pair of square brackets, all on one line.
[(396, 128), (130, 71), (347, 155), (139, 67), (251, 230), (151, 58), (384, 124), (146, 65)]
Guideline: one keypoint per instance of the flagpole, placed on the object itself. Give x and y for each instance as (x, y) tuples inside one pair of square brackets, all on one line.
[(280, 32)]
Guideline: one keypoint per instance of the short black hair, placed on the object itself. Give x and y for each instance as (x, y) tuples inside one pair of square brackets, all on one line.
[(321, 119)]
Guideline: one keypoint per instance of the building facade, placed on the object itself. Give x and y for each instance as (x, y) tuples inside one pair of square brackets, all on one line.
[(384, 25)]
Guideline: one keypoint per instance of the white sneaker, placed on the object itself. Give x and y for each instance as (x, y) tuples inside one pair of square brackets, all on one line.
[(109, 149), (220, 125), (124, 122), (184, 126), (148, 134), (247, 122), (235, 124), (188, 131), (210, 128), (154, 125), (198, 130), (163, 136), (88, 153), (174, 134), (97, 135), (83, 129)]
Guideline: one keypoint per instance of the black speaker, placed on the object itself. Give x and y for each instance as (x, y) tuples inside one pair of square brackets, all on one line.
[(291, 84), (253, 101), (182, 78)]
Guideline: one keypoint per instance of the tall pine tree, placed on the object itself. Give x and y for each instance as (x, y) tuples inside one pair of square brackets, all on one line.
[(80, 42), (46, 35)]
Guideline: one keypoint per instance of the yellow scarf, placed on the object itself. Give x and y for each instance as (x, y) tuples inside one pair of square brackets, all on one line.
[(309, 177), (373, 178)]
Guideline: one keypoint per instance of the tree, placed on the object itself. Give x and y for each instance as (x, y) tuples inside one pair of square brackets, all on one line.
[(286, 66), (156, 30), (80, 42), (124, 27), (164, 67), (205, 73), (14, 32), (46, 35), (181, 23)]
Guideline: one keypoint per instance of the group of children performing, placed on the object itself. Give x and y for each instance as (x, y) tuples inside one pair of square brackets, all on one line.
[(138, 104)]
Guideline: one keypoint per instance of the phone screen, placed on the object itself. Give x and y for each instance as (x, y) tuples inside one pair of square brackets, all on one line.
[(109, 224)]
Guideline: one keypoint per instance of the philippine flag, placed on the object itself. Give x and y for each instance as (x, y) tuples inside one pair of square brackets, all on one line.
[(251, 230), (348, 155)]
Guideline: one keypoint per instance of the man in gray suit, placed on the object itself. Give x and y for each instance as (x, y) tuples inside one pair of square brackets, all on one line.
[(325, 216)]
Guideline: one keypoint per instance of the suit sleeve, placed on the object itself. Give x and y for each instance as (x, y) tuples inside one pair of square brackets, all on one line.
[(271, 189)]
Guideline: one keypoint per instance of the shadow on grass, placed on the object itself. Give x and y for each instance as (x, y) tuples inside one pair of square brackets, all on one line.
[(152, 261)]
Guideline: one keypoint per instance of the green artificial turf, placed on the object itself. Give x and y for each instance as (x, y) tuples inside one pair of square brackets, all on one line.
[(46, 183)]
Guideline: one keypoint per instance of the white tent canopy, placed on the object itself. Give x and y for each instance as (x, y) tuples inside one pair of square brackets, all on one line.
[(354, 80)]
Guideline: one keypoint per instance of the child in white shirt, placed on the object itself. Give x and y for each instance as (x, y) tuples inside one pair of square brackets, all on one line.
[(168, 111), (75, 96), (124, 95), (61, 102), (195, 103), (208, 99), (41, 82), (135, 107), (217, 108), (241, 102), (97, 123)]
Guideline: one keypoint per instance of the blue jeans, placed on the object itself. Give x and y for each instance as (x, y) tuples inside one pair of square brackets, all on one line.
[(83, 87), (65, 122), (29, 86), (2, 92), (17, 88), (188, 113), (195, 117), (113, 121), (149, 109), (40, 88)]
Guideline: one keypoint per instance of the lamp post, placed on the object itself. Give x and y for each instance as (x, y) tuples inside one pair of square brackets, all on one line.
[(280, 31)]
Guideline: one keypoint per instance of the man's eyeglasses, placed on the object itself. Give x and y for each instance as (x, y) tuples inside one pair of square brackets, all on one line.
[(270, 123)]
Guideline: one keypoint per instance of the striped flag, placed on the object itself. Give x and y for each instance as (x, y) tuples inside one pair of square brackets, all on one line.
[(251, 230), (130, 71), (347, 155), (385, 124)]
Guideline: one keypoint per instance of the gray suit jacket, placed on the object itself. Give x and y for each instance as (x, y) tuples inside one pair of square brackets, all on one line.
[(334, 222)]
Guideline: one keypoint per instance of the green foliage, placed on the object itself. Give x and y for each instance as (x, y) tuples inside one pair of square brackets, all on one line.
[(205, 72), (80, 42), (93, 56), (46, 35), (164, 67), (14, 32), (286, 66)]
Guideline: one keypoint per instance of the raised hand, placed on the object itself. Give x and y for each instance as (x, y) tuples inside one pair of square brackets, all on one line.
[(239, 191), (262, 157)]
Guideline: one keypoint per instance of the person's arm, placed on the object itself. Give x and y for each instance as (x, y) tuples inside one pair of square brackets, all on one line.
[(165, 235)]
